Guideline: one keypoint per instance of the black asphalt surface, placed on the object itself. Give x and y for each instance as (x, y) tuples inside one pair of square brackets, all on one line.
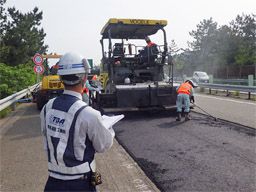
[(197, 155)]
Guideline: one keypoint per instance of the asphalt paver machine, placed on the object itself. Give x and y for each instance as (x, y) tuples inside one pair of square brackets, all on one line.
[(132, 75)]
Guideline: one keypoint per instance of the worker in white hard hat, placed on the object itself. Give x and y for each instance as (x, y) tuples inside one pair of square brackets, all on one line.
[(73, 132), (185, 96)]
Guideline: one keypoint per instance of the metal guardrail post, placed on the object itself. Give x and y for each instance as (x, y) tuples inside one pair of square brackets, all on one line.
[(250, 83), (210, 81), (14, 105), (250, 80), (210, 78)]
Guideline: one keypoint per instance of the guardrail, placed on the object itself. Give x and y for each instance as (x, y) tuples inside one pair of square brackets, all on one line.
[(233, 81), (241, 88), (12, 99)]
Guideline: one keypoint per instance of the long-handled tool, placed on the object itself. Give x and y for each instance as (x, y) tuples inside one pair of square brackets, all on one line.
[(215, 118)]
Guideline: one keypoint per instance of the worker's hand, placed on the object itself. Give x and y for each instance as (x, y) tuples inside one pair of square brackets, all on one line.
[(192, 99)]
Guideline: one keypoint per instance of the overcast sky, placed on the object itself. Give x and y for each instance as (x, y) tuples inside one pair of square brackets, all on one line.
[(75, 25)]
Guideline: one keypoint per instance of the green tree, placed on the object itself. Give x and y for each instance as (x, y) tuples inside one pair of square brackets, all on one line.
[(244, 27), (14, 79), (225, 46), (3, 18), (21, 36), (204, 44), (4, 50), (173, 48), (219, 47)]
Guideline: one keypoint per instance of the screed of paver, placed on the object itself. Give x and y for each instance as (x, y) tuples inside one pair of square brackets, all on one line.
[(121, 173)]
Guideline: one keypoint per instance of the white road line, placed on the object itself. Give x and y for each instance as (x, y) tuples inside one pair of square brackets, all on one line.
[(242, 102)]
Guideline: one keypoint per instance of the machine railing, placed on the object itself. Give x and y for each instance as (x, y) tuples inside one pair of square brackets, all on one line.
[(12, 99)]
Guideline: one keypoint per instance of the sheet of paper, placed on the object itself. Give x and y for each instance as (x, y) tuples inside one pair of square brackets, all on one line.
[(109, 121)]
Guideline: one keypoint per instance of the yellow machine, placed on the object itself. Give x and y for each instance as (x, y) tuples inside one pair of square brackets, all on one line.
[(50, 87), (52, 82), (132, 74)]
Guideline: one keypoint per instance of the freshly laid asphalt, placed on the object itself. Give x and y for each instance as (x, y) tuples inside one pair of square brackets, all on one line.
[(198, 155)]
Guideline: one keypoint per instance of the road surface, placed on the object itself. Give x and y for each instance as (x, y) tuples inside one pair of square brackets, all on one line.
[(199, 155)]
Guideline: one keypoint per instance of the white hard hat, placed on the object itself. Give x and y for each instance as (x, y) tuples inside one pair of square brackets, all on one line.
[(72, 63), (72, 68), (127, 80), (192, 82)]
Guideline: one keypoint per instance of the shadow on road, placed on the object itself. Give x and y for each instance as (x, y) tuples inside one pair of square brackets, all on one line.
[(172, 124)]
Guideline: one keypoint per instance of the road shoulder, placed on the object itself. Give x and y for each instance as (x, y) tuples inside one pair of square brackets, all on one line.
[(121, 173)]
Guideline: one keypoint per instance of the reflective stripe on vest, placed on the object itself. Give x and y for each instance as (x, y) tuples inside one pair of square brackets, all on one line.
[(66, 171), (185, 88), (77, 170)]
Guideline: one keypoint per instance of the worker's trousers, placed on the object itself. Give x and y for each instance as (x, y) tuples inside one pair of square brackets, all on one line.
[(183, 101), (85, 185)]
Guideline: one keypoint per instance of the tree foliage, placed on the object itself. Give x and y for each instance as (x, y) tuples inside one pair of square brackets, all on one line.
[(14, 79), (21, 36), (219, 46), (244, 27)]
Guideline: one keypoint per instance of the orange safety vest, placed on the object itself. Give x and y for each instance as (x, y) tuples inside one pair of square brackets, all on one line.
[(185, 88)]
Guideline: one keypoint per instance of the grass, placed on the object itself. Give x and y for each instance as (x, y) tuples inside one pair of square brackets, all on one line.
[(236, 93), (253, 98), (5, 112)]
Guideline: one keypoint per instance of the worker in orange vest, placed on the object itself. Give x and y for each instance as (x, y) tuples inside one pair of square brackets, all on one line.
[(185, 95), (149, 42), (150, 51), (88, 87)]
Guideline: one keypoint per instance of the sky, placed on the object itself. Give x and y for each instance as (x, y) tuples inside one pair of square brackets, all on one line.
[(75, 25)]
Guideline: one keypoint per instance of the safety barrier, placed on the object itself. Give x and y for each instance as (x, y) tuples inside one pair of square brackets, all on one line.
[(233, 81), (12, 99), (241, 88)]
